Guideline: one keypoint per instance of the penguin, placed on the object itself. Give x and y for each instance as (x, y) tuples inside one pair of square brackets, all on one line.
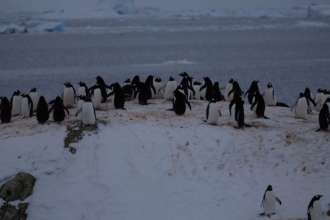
[(208, 86), (301, 107), (102, 86), (69, 95), (217, 95), (253, 89), (5, 110), (308, 96), (143, 93), (259, 103), (26, 106), (269, 202), (16, 103), (149, 83), (35, 98), (119, 99), (239, 111), (179, 102), (86, 111), (58, 109), (213, 112), (170, 87), (229, 88), (135, 82), (269, 95), (158, 86), (314, 211), (82, 90), (97, 98), (235, 90), (186, 85), (127, 89), (197, 85), (42, 110), (324, 118)]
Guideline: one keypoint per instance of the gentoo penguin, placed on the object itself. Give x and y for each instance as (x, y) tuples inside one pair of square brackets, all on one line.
[(143, 93), (213, 112), (229, 88), (197, 85), (324, 117), (254, 88), (170, 87), (269, 95), (127, 89), (301, 107), (217, 95), (35, 98), (259, 103), (135, 82), (58, 109), (69, 95), (158, 86), (308, 96), (26, 106), (235, 90), (97, 98), (149, 83), (186, 85), (42, 110), (102, 86), (16, 103), (5, 110), (208, 86), (314, 211), (86, 112), (82, 90), (179, 102), (119, 99), (239, 110), (269, 202)]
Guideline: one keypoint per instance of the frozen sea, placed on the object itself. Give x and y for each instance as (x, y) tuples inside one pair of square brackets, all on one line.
[(292, 53)]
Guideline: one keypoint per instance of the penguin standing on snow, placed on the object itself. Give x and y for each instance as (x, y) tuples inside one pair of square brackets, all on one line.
[(35, 98), (229, 88), (269, 202), (309, 100), (239, 110), (170, 87), (42, 110), (143, 93), (186, 85), (235, 90), (58, 109), (208, 86), (217, 95), (259, 103), (301, 107), (5, 110), (324, 117), (149, 83), (135, 82), (82, 90), (179, 102), (69, 95), (119, 99), (86, 112), (127, 89), (252, 91), (158, 86), (102, 87), (314, 211), (26, 106), (213, 112), (16, 103)]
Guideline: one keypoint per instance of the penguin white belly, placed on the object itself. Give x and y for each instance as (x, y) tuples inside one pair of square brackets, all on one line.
[(25, 109), (68, 97), (197, 92), (202, 94), (269, 98), (214, 113), (81, 91), (269, 203), (79, 108), (169, 90), (97, 98), (301, 108), (228, 88), (17, 103), (88, 115), (316, 211), (158, 87), (35, 99)]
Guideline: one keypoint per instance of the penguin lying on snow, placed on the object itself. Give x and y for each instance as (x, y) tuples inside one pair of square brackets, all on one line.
[(42, 110), (213, 112), (269, 202), (58, 109), (86, 112), (5, 110), (314, 211), (26, 106)]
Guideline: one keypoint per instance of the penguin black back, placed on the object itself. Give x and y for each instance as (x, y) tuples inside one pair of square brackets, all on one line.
[(217, 95), (324, 118), (179, 102), (119, 99), (58, 110), (42, 110), (251, 92), (208, 85), (5, 110)]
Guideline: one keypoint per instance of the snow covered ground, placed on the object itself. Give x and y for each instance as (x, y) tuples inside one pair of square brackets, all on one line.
[(147, 163)]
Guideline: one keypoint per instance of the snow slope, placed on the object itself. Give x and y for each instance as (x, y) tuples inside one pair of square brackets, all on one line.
[(147, 163)]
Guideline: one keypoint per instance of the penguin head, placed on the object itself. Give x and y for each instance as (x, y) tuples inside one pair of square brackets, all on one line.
[(327, 100), (33, 90), (68, 84), (42, 100), (171, 78), (307, 91), (269, 188), (269, 85), (301, 95), (158, 80), (17, 93), (231, 80), (58, 101), (100, 80), (82, 84), (115, 86), (127, 81), (318, 197), (184, 74), (216, 84)]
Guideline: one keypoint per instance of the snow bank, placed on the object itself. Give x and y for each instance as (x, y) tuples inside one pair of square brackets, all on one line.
[(32, 27)]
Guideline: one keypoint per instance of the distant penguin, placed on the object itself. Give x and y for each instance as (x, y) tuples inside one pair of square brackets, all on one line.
[(229, 88), (119, 97), (301, 107), (179, 102), (254, 88), (102, 86), (269, 202), (158, 86), (82, 90), (269, 95), (309, 99), (213, 112), (5, 110), (97, 98), (235, 90), (143, 93), (186, 85), (208, 86), (217, 95), (314, 211), (58, 110), (324, 118), (35, 98), (69, 95), (239, 111), (26, 106), (42, 110), (86, 112), (171, 86), (149, 83), (135, 82), (259, 103), (128, 90), (16, 103), (197, 85)]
